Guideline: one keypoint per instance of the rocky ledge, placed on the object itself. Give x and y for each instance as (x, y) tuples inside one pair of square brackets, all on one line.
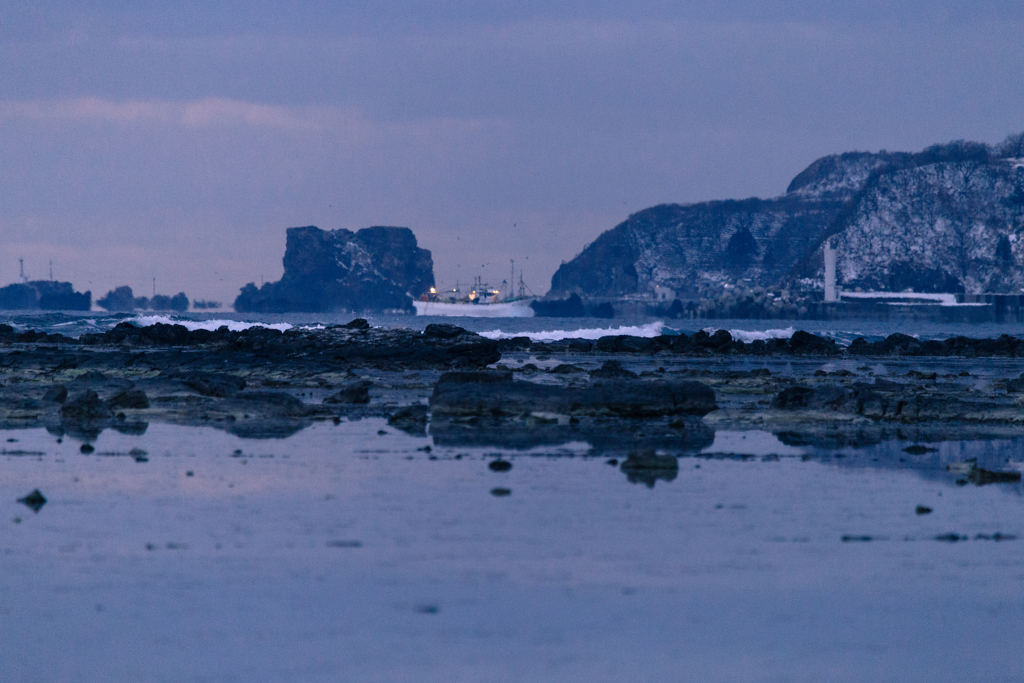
[(801, 343), (660, 395)]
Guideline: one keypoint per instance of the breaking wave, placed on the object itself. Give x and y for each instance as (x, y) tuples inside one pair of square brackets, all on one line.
[(748, 336), (648, 330), (211, 325)]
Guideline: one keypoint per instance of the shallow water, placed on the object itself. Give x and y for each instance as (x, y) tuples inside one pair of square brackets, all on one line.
[(341, 553)]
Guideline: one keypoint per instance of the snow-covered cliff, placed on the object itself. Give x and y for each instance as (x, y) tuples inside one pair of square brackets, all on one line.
[(945, 219)]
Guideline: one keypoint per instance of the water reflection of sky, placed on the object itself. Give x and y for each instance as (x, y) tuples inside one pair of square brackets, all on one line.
[(344, 554)]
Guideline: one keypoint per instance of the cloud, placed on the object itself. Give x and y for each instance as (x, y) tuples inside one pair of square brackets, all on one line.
[(201, 113), (213, 112)]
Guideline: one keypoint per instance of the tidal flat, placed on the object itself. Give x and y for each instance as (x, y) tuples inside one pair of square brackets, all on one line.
[(350, 552), (828, 518)]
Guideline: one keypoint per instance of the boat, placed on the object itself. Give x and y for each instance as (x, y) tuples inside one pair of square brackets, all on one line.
[(504, 309), (483, 301)]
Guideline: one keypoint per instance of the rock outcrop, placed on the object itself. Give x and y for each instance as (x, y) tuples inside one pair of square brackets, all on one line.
[(376, 268), (946, 219), (46, 295), (123, 299)]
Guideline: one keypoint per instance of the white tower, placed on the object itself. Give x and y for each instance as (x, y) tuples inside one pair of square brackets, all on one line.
[(831, 293)]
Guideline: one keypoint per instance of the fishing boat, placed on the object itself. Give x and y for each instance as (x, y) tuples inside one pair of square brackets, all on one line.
[(483, 301)]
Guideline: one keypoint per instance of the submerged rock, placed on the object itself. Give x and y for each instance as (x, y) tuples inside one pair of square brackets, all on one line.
[(647, 467), (34, 501), (85, 406), (133, 399), (209, 384), (411, 420), (351, 393)]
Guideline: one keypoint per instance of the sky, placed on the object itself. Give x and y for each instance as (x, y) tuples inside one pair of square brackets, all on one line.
[(140, 140)]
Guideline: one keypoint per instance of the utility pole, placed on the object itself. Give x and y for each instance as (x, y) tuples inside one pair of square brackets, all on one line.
[(154, 286), (51, 271), (21, 269)]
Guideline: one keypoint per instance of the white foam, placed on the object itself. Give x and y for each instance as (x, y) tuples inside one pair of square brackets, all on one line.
[(211, 325), (648, 330), (753, 335)]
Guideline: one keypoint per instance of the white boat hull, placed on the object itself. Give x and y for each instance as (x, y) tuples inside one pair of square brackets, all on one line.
[(512, 309)]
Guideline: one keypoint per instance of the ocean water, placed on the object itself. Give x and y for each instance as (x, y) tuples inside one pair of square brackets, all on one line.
[(355, 552), (541, 329)]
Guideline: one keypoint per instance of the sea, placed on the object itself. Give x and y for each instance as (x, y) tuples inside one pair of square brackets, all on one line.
[(352, 551), (537, 328)]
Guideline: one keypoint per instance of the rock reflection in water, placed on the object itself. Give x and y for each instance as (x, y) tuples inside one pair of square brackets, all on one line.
[(647, 467), (616, 436)]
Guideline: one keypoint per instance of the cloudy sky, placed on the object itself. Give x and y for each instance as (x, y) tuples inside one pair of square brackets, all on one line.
[(142, 141)]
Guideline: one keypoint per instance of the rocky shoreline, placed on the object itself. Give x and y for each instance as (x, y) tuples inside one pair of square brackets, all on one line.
[(623, 395)]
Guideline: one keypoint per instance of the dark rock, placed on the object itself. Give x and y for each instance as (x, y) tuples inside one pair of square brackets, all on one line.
[(133, 399), (209, 384), (411, 420), (951, 538), (805, 343), (357, 324), (981, 477), (352, 392), (570, 307), (647, 467), (373, 269), (477, 377), (793, 398), (566, 369), (85, 406), (922, 510), (499, 466), (612, 369), (56, 394), (619, 398), (444, 331), (501, 492), (918, 450), (34, 501), (44, 295), (274, 403), (86, 449), (91, 376)]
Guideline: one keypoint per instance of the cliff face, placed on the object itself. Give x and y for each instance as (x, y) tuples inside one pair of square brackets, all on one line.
[(941, 227), (945, 219), (373, 269), (677, 246)]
